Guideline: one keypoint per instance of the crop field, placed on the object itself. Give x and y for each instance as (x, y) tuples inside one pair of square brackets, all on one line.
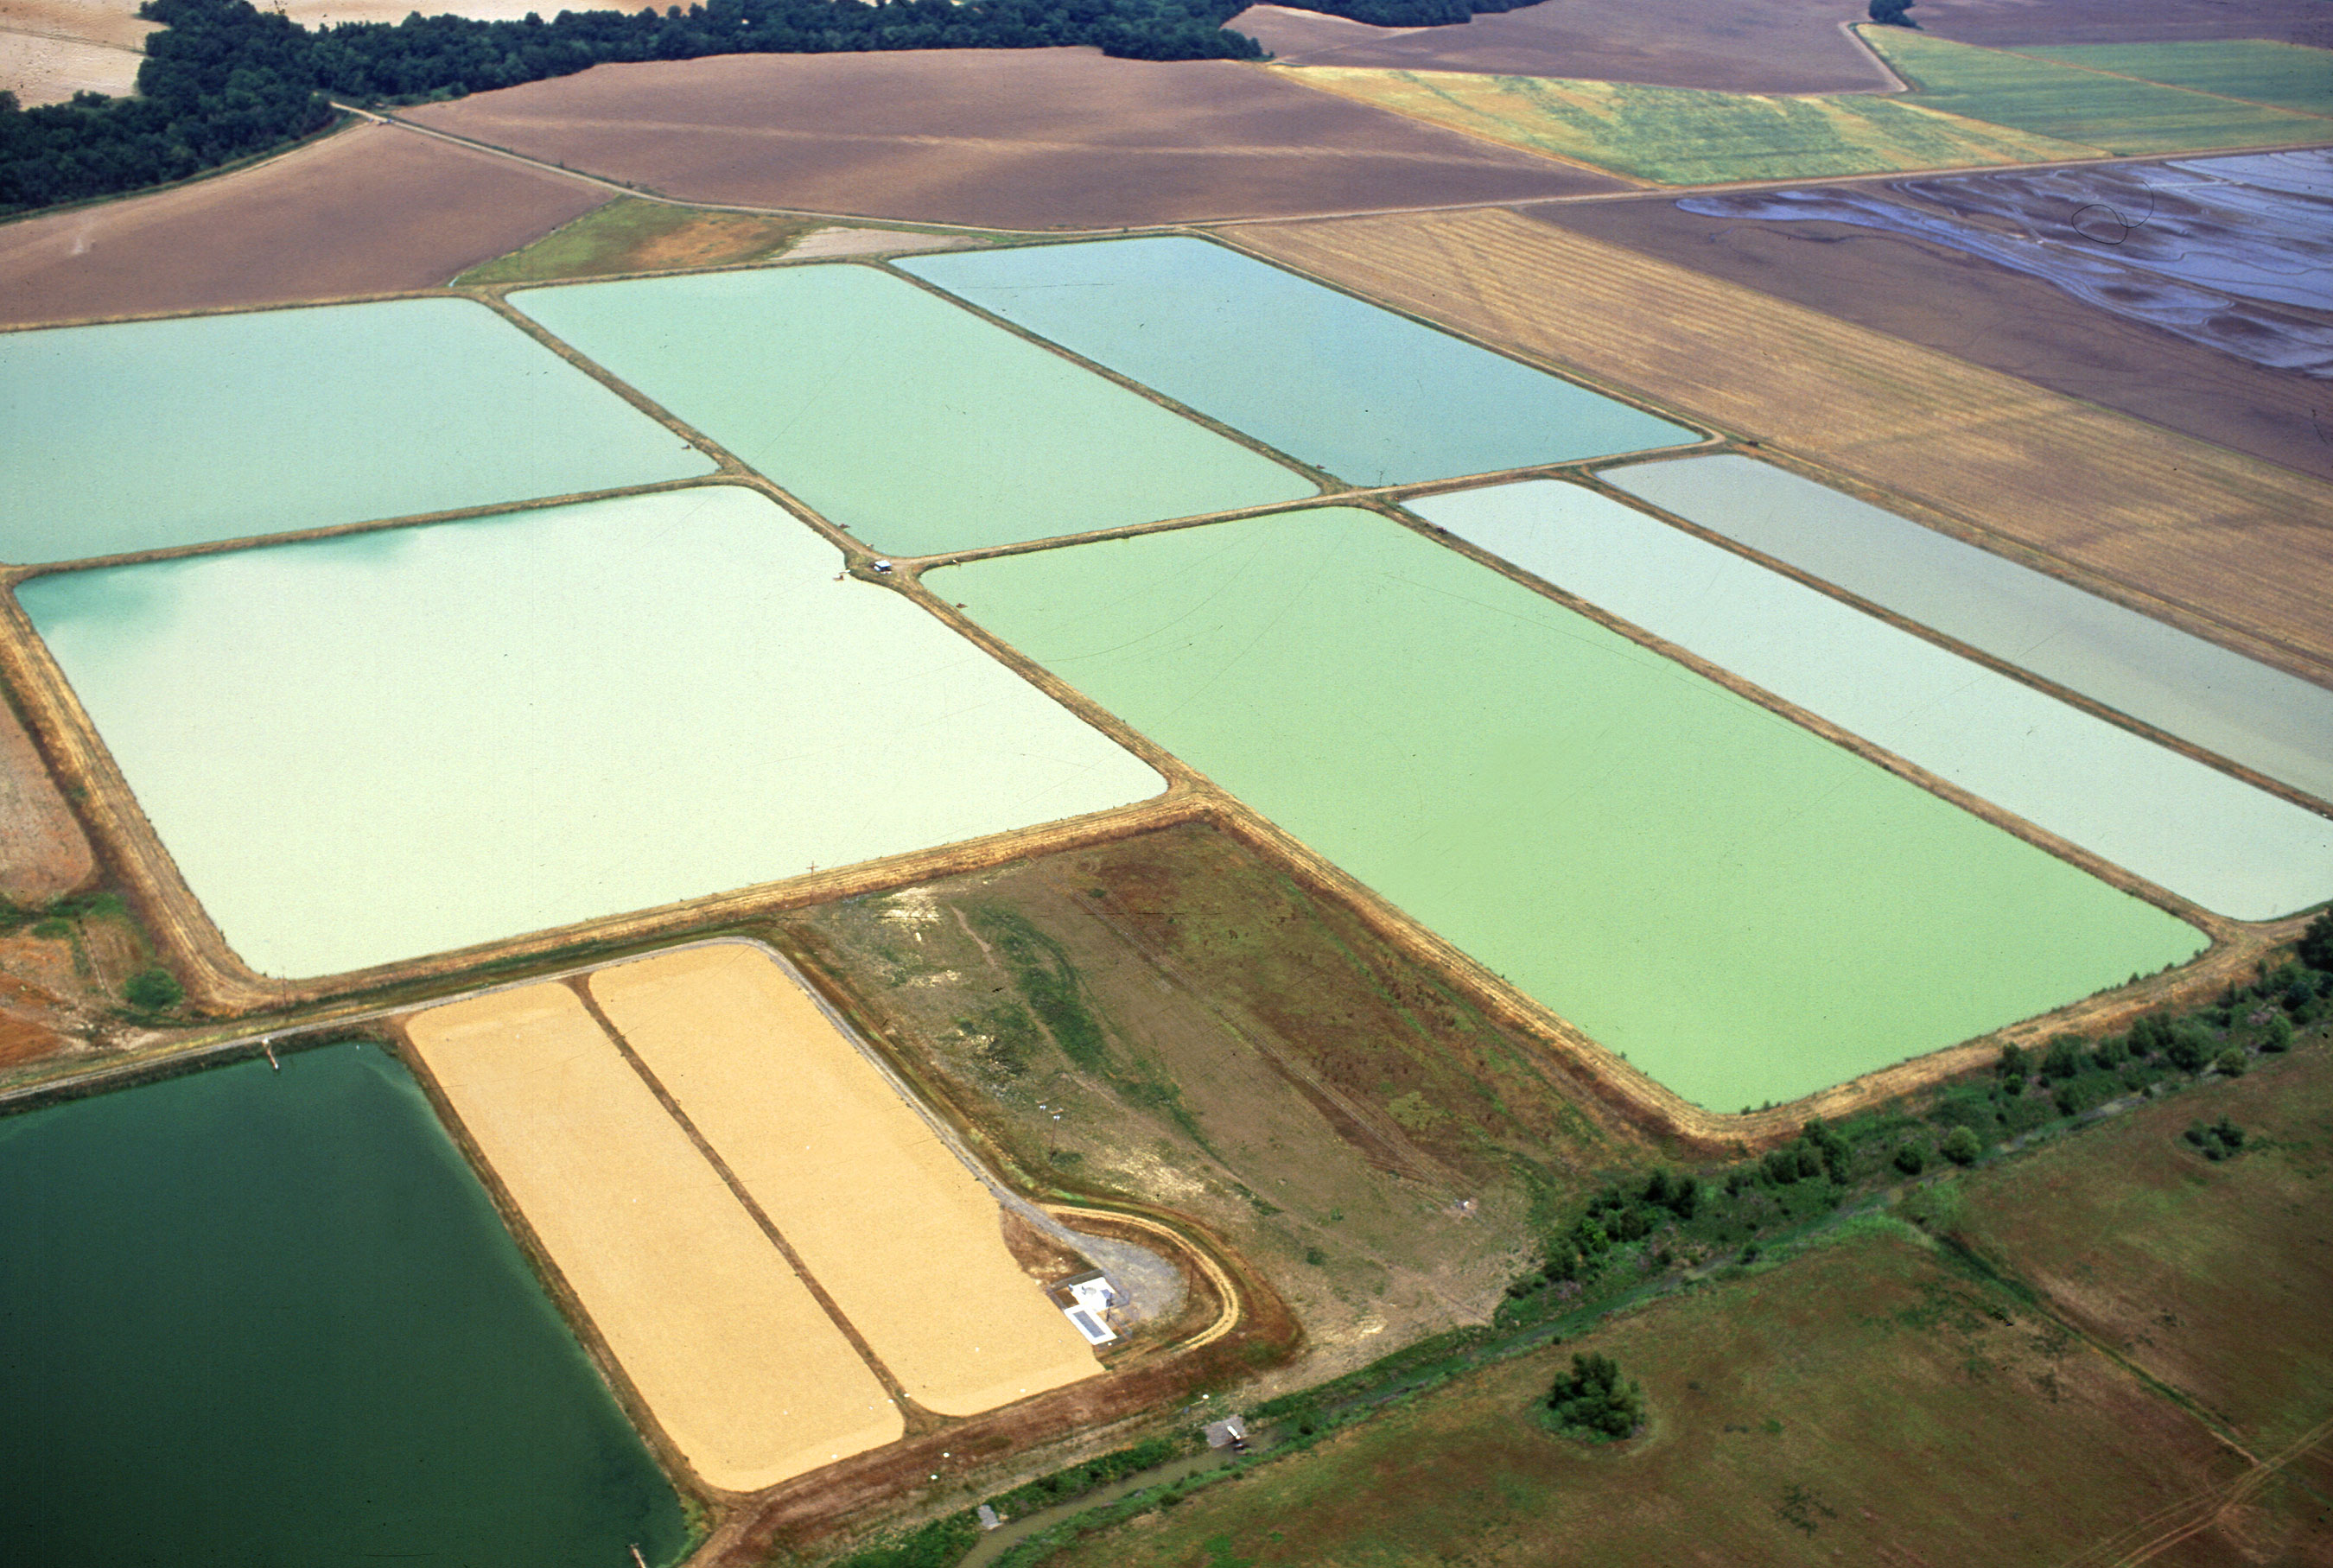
[(1171, 1019), (2259, 70), (632, 235), (1924, 283), (2228, 546), (2198, 691), (99, 414), (1683, 136), (1758, 46), (398, 755), (825, 377), (2209, 1276), (1816, 1408), (1440, 732), (370, 210), (2117, 113), (1020, 138), (883, 1215), (740, 1364), (2007, 23), (2174, 821), (52, 70), (1358, 392)]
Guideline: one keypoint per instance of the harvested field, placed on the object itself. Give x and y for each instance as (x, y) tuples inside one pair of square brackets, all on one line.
[(1025, 139), (2117, 113), (1683, 136), (43, 850), (900, 1235), (1172, 1020), (41, 70), (2253, 69), (632, 235), (2211, 1278), (2233, 548), (2013, 23), (1757, 46), (738, 1362), (1944, 297), (369, 210), (114, 21), (823, 243), (1864, 1402)]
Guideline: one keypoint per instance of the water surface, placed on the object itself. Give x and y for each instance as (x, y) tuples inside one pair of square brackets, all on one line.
[(1745, 911), (271, 1318)]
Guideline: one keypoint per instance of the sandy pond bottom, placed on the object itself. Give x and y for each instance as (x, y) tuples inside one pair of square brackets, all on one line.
[(1745, 911), (382, 746), (261, 1317)]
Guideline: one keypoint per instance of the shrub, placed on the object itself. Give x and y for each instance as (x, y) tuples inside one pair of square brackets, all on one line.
[(2191, 1046), (2063, 1060), (2151, 1036), (1910, 1160), (2277, 1034), (2222, 1140), (2011, 1064), (2111, 1052), (2232, 1061), (2316, 943), (1961, 1148), (154, 990), (1593, 1400)]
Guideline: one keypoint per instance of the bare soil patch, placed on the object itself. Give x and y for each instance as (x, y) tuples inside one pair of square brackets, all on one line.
[(114, 21), (1005, 139), (43, 850), (2224, 545), (2005, 23), (370, 210), (1758, 46), (1965, 306), (45, 70)]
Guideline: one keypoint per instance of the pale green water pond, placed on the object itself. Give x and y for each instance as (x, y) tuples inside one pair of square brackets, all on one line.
[(914, 423), (2198, 691), (389, 744), (2182, 825), (1368, 396), (1745, 911), (150, 435)]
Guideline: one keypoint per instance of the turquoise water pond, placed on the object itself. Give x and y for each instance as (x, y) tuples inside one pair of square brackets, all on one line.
[(257, 1318), (150, 435), (1368, 396)]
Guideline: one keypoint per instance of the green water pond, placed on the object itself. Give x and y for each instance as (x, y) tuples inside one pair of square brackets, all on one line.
[(1744, 910), (253, 1317)]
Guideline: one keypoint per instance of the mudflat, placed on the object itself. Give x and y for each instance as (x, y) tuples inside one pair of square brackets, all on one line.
[(743, 1369), (887, 1220)]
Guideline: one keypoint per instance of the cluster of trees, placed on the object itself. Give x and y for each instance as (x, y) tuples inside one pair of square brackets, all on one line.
[(1410, 12), (1892, 12), (2222, 1140), (1593, 1400), (223, 80)]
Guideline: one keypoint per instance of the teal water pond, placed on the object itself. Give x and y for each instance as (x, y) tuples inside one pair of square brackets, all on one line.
[(1745, 911), (905, 418), (1368, 396), (152, 435), (253, 1317)]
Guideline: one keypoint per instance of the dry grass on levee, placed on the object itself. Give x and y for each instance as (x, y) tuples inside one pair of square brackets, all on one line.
[(1863, 1402), (1172, 1020), (2237, 544), (632, 236), (2213, 1276)]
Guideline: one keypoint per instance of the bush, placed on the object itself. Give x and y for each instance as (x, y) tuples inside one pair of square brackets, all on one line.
[(2277, 1034), (2316, 943), (1593, 1400), (2111, 1053), (2150, 1037), (1910, 1160), (153, 989), (2063, 1060), (2011, 1064), (2232, 1061), (1961, 1148), (2222, 1140), (2191, 1046)]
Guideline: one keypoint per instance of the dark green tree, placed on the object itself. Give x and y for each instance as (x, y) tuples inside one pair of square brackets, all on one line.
[(1892, 12), (2316, 943), (1593, 1400), (154, 990)]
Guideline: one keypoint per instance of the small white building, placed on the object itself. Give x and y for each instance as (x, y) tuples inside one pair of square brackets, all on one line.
[(1086, 1302)]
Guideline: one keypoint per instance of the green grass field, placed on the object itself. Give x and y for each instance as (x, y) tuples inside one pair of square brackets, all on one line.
[(2285, 75), (2043, 99)]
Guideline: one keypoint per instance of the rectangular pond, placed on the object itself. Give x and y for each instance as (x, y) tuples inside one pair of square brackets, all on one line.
[(2178, 823), (2198, 691), (1745, 911), (1368, 396), (272, 1317), (914, 424), (389, 744), (151, 434)]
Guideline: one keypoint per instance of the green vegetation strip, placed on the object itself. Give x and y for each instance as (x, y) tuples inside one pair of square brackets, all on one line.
[(2282, 75), (632, 235)]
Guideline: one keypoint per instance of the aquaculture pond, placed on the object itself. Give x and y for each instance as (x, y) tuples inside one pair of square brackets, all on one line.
[(1370, 396), (1746, 912), (264, 1317), (2181, 824), (150, 435), (2200, 692), (392, 744), (905, 418)]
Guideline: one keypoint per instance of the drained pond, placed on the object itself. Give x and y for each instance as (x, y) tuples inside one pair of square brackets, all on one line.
[(264, 1317), (1746, 912)]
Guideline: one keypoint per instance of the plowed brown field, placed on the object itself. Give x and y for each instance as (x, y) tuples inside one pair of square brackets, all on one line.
[(371, 210), (43, 850), (1755, 46), (1968, 307), (2234, 547), (1010, 138)]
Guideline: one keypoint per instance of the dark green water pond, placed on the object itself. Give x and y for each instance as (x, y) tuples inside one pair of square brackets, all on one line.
[(272, 1321)]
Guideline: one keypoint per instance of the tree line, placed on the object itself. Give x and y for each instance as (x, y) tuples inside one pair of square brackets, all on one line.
[(223, 80)]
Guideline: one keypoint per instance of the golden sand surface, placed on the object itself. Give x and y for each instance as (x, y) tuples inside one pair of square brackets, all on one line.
[(889, 1222), (747, 1375)]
